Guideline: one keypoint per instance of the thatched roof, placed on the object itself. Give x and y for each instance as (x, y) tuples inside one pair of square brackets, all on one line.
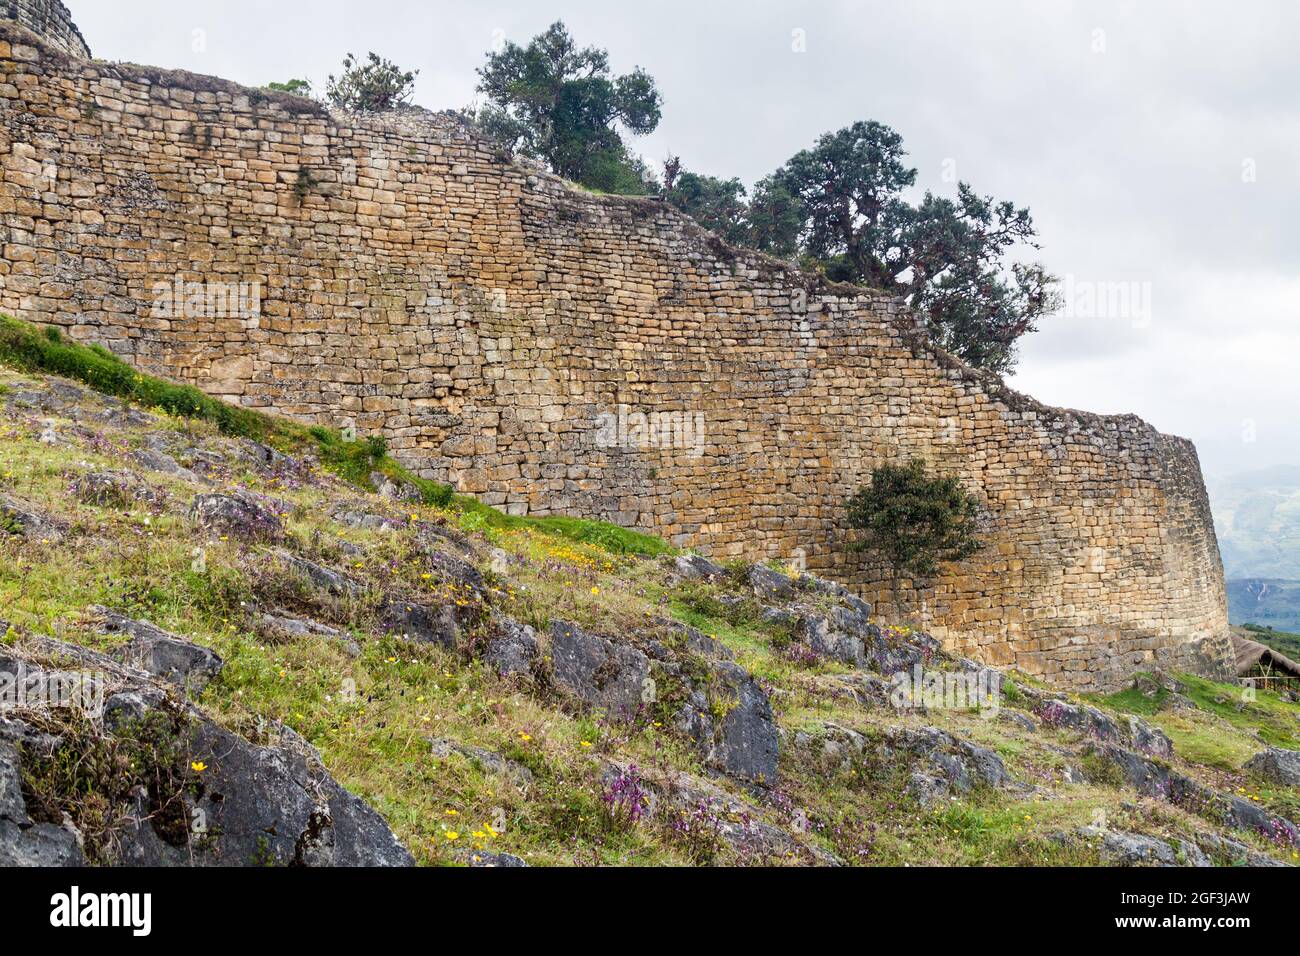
[(1251, 654)]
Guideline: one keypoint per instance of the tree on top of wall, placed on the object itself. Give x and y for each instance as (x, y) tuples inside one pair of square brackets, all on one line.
[(558, 103), (370, 87)]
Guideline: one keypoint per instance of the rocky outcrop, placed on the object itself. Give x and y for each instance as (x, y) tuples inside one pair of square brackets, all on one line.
[(193, 793), (609, 676), (179, 662), (237, 516), (1278, 766)]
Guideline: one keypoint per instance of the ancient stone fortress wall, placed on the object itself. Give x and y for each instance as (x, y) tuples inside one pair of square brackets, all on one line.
[(553, 351), (49, 20)]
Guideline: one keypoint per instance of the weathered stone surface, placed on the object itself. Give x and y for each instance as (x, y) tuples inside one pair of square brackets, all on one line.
[(243, 804), (695, 568), (770, 585), (1155, 779), (513, 647), (305, 627), (155, 651), (115, 489), (163, 463), (488, 760), (423, 623), (609, 676), (952, 765), (1277, 765), (1149, 740), (480, 859), (1130, 849), (738, 736), (239, 517), (1079, 717), (51, 21), (319, 577), (699, 809), (23, 842), (18, 517)]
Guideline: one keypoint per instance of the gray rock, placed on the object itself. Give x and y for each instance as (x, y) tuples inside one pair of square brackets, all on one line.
[(1234, 852), (1149, 740), (1157, 780), (449, 568), (609, 676), (267, 460), (422, 623), (827, 637), (251, 804), (697, 642), (1277, 765), (962, 765), (115, 489), (1022, 721), (829, 746), (237, 516), (155, 651), (695, 568), (743, 741), (305, 627), (1086, 720), (320, 577), (392, 490), (162, 463), (22, 841), (1131, 849), (513, 647), (368, 521), (488, 760), (692, 806), (770, 585), (17, 517)]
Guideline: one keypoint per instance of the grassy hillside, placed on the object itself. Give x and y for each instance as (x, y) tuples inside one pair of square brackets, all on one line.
[(100, 470)]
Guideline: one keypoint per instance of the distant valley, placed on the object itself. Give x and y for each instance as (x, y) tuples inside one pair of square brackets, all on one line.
[(1271, 603), (1257, 520)]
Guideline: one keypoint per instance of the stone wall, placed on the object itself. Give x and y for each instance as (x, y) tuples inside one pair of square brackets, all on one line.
[(50, 20), (508, 333)]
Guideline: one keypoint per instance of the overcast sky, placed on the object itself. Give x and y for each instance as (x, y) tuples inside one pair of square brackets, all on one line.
[(1157, 144)]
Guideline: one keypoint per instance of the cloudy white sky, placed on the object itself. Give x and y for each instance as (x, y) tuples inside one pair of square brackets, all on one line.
[(1156, 142)]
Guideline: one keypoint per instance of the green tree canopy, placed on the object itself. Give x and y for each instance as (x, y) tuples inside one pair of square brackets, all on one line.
[(716, 204), (842, 208), (954, 260), (296, 87), (555, 102)]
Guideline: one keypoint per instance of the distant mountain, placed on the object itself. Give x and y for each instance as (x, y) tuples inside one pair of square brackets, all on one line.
[(1270, 603), (1257, 519)]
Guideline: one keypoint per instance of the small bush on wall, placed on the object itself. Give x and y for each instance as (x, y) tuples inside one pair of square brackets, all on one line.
[(917, 521)]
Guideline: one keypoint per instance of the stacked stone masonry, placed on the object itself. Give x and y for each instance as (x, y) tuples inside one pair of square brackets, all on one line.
[(505, 331), (49, 20)]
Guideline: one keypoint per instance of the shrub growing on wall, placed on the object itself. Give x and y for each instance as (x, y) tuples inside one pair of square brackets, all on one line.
[(370, 87), (916, 520)]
